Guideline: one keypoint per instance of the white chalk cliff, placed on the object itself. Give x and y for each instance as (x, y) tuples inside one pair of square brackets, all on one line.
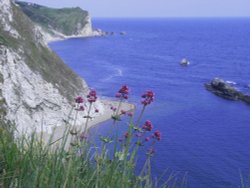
[(37, 92), (63, 23)]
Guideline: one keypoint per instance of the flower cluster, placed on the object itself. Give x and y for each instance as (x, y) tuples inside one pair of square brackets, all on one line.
[(147, 126), (79, 104), (130, 114), (81, 108), (92, 96), (123, 92), (79, 100), (140, 135), (147, 98), (157, 135), (123, 112)]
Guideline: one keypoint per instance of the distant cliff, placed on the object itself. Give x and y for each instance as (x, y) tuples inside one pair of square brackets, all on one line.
[(36, 87), (60, 23)]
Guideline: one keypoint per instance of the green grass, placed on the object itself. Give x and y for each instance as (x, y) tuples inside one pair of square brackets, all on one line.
[(27, 162)]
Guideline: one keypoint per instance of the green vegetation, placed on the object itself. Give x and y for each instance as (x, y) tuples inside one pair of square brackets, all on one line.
[(66, 20), (28, 162), (3, 40)]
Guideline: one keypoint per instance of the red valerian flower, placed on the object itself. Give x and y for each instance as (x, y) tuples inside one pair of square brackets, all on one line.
[(147, 98), (123, 92), (92, 96), (123, 112), (147, 139), (96, 110), (126, 135), (83, 136), (130, 114), (124, 89), (147, 126), (81, 108), (79, 99), (157, 135)]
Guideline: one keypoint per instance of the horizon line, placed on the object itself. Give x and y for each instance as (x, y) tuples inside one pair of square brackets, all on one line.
[(170, 17)]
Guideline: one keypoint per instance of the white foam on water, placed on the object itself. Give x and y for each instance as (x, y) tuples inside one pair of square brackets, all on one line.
[(231, 82), (117, 73)]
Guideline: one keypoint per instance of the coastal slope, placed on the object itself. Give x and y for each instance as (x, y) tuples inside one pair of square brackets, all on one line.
[(36, 88), (60, 23)]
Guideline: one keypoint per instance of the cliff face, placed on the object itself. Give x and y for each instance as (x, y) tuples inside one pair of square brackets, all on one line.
[(59, 23), (36, 87)]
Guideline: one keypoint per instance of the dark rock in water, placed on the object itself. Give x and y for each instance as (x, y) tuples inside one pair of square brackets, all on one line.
[(123, 33), (223, 89), (247, 86)]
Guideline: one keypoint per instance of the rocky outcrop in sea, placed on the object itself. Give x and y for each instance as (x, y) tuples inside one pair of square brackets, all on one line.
[(223, 89)]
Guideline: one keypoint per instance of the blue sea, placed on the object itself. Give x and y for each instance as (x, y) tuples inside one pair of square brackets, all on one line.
[(204, 135)]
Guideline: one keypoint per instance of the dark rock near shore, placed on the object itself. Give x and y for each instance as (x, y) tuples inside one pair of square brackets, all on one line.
[(221, 88)]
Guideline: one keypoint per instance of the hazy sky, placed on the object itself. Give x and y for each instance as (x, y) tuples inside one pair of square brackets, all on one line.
[(157, 8)]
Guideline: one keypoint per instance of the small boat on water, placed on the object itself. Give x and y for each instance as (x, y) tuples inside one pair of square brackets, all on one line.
[(184, 62)]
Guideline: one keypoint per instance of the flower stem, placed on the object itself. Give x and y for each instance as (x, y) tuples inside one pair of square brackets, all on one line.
[(140, 116), (88, 116)]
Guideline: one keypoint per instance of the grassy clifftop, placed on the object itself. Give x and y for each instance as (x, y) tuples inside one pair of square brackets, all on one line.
[(67, 21)]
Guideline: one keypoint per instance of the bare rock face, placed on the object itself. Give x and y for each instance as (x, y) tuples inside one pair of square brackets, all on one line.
[(37, 89), (221, 88), (7, 18)]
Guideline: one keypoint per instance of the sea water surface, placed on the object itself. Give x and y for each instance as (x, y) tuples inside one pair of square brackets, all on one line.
[(204, 135)]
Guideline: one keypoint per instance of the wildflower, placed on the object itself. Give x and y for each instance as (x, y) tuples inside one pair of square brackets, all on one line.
[(147, 139), (148, 97), (79, 99), (123, 112), (123, 92), (124, 89), (96, 111), (130, 114), (157, 135), (147, 126), (81, 108), (92, 96), (126, 135), (83, 136)]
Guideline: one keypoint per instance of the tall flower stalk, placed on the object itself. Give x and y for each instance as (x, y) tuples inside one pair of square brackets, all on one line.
[(122, 95), (92, 97), (147, 99), (73, 131)]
